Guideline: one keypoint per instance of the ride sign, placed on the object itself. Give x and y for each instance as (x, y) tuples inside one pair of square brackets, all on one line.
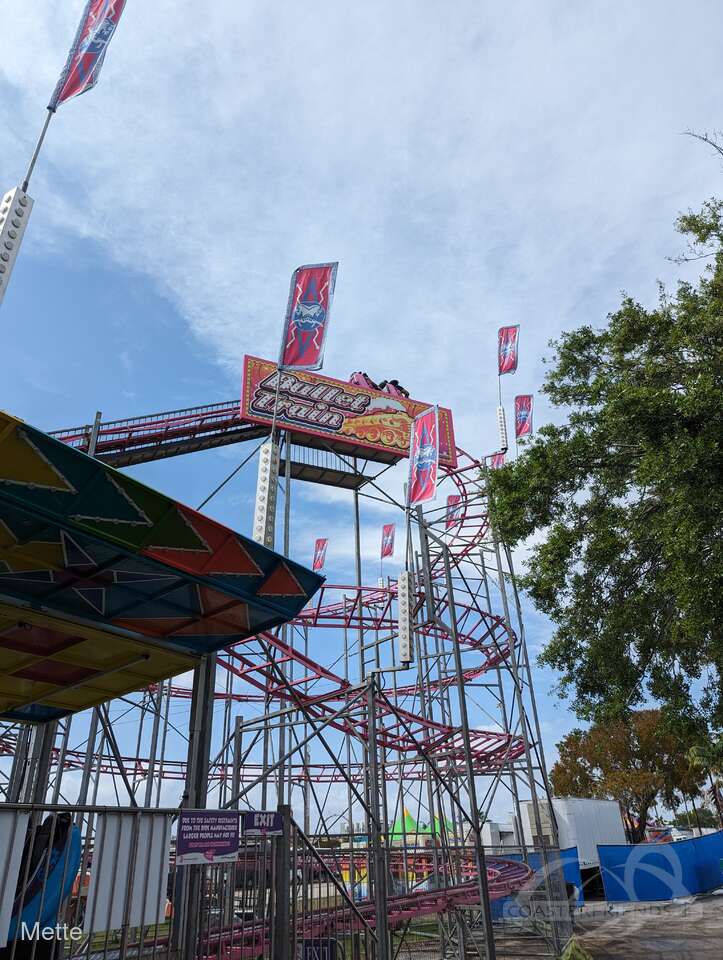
[(207, 836), (262, 823), (348, 416)]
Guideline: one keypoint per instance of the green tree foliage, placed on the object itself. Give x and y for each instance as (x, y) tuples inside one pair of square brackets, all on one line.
[(638, 762), (623, 501), (689, 821), (707, 757)]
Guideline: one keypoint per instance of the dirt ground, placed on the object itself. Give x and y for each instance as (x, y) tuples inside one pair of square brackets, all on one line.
[(677, 931)]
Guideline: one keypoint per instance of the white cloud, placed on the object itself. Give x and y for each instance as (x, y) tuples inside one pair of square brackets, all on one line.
[(468, 164), (517, 164)]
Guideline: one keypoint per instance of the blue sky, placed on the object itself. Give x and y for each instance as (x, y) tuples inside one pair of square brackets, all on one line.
[(469, 164)]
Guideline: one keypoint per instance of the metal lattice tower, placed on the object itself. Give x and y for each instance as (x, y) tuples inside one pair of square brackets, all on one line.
[(355, 741)]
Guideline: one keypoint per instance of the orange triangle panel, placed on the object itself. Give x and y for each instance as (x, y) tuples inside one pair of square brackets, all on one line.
[(281, 583)]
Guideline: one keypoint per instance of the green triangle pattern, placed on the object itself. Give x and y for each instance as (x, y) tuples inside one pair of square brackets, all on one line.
[(173, 532)]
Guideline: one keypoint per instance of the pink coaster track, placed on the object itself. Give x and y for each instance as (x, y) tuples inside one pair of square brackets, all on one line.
[(484, 638)]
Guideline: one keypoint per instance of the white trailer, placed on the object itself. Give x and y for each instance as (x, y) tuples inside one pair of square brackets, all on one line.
[(580, 823)]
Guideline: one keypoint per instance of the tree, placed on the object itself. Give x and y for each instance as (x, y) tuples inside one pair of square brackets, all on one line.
[(624, 500), (637, 762), (707, 757), (704, 817)]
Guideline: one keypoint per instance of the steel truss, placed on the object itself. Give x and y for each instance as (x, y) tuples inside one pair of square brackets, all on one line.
[(353, 742)]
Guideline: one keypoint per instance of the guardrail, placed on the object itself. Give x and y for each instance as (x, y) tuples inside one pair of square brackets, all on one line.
[(102, 883)]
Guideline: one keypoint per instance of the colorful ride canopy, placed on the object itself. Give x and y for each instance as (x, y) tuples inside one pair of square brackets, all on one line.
[(107, 585)]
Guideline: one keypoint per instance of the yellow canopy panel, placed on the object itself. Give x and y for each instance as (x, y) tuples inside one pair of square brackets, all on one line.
[(51, 666)]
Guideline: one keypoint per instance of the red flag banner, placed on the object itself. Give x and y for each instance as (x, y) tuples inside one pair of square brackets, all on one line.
[(523, 415), (388, 532), (319, 554), (497, 460), (507, 340), (87, 54), (454, 510), (307, 317), (423, 458)]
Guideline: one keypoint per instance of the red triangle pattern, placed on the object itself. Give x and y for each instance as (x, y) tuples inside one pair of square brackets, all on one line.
[(230, 623), (232, 557), (214, 602), (162, 627), (281, 583), (226, 553)]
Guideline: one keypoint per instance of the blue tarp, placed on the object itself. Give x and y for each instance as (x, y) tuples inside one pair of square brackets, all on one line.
[(570, 869), (662, 871)]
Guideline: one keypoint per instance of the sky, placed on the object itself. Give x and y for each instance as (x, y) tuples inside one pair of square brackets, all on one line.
[(469, 165)]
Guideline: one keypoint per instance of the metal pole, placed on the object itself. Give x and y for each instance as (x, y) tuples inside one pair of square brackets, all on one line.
[(20, 763), (154, 746), (380, 874), (551, 880), (281, 945), (517, 815), (526, 665), (281, 791), (114, 749), (237, 744), (38, 146), (488, 932), (88, 759), (164, 738), (41, 755), (307, 755), (94, 431), (187, 895), (349, 799), (370, 746), (61, 759), (94, 716), (225, 739)]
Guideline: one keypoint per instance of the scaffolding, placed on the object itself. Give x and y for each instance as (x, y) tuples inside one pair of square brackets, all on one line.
[(319, 717)]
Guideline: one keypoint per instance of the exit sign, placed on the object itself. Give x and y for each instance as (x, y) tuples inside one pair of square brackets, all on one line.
[(262, 823)]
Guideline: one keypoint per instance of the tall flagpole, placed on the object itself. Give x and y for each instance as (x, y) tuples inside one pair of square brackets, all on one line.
[(38, 147), (15, 209), (80, 74)]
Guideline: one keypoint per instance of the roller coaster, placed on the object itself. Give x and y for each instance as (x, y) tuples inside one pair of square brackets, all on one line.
[(411, 737)]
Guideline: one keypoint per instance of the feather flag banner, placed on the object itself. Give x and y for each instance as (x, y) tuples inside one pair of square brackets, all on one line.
[(307, 317), (88, 51), (423, 458), (507, 341), (523, 415), (319, 554), (455, 510), (388, 532)]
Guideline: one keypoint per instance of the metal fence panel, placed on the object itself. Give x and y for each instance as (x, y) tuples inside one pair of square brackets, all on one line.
[(13, 826), (128, 878), (110, 876)]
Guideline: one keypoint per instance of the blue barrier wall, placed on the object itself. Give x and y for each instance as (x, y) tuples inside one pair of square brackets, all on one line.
[(570, 871), (662, 871)]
